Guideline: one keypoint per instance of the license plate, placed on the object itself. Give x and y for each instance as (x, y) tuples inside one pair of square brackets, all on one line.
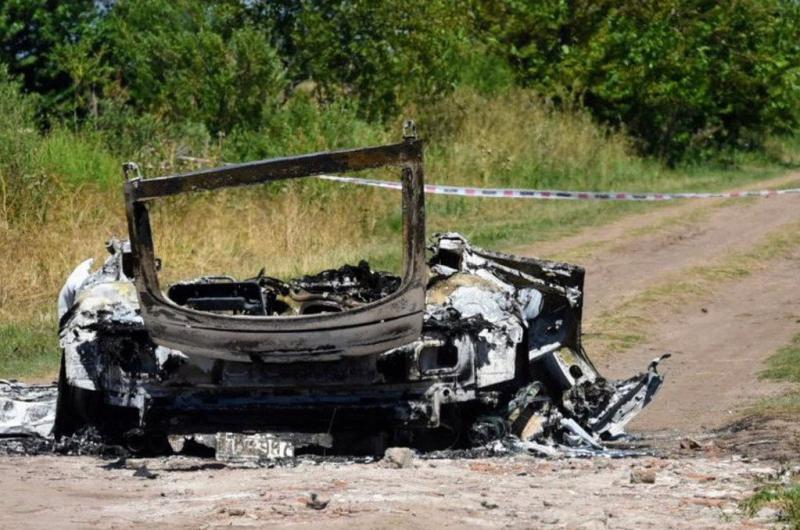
[(239, 447)]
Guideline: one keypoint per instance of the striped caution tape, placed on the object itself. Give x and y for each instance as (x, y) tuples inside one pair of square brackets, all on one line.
[(557, 194)]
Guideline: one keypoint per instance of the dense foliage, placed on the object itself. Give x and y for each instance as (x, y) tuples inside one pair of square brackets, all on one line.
[(680, 75), (31, 34), (683, 77)]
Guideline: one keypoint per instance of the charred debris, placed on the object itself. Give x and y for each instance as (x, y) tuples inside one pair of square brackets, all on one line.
[(466, 349), (499, 368)]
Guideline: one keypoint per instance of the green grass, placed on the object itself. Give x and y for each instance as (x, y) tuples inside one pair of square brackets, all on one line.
[(28, 349), (78, 163), (783, 365), (784, 149), (785, 498)]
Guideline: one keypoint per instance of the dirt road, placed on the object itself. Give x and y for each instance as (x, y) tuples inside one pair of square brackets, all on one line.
[(518, 492), (719, 338)]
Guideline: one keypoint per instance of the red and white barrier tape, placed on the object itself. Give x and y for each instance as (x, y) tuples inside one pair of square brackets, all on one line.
[(557, 194)]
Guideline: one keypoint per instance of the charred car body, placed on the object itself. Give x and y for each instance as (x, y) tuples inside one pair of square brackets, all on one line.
[(465, 347)]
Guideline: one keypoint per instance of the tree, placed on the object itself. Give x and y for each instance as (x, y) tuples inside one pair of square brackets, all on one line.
[(385, 54), (193, 60), (682, 76), (30, 32)]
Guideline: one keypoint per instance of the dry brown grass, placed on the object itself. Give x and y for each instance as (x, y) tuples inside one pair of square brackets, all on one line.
[(235, 232), (300, 227), (519, 137), (36, 258), (303, 228)]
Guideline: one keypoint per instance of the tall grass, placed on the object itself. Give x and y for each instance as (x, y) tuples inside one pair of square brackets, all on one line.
[(290, 232), (61, 196), (517, 138)]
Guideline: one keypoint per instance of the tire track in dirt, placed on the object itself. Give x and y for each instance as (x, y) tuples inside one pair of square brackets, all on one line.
[(633, 253), (639, 262), (719, 345), (721, 339)]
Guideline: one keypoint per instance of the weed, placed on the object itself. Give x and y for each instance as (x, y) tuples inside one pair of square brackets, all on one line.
[(785, 498), (783, 365)]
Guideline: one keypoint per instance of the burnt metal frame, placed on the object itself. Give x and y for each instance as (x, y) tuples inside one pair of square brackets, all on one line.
[(372, 328)]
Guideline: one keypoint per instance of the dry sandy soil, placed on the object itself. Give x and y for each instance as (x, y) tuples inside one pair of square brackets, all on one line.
[(719, 340), (517, 492)]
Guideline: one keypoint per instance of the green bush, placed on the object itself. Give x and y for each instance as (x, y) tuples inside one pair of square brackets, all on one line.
[(687, 79), (683, 76), (192, 61), (303, 125), (384, 54)]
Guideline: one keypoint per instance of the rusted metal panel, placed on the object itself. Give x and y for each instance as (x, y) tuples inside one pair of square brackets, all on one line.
[(369, 329), (404, 154)]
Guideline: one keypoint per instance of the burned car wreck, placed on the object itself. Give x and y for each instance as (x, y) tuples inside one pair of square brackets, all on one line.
[(464, 348)]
